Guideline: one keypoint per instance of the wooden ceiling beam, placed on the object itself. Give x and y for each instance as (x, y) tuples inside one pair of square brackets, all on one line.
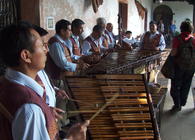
[(189, 1)]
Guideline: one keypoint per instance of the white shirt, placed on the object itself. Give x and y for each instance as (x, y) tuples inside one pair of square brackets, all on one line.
[(101, 40), (87, 46), (76, 38), (111, 39), (29, 121), (130, 41), (50, 92)]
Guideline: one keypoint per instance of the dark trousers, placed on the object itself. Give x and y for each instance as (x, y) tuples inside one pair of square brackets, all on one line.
[(180, 85)]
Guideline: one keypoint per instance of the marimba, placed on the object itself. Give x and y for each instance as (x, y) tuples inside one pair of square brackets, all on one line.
[(127, 62), (129, 117)]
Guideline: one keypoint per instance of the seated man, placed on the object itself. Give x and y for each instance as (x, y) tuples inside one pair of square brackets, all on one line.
[(60, 62), (153, 40), (24, 113), (130, 40)]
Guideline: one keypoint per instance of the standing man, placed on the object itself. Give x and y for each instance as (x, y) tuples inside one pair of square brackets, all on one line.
[(77, 30), (161, 27), (91, 46), (60, 62), (111, 37), (24, 113), (183, 52), (103, 39), (51, 90), (153, 40), (172, 29)]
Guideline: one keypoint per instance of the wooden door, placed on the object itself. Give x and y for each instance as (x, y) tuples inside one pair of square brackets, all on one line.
[(123, 13)]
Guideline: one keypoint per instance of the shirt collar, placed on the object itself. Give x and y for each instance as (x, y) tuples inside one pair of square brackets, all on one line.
[(108, 31), (157, 32), (75, 37), (59, 38), (93, 39), (22, 79), (186, 35), (68, 43)]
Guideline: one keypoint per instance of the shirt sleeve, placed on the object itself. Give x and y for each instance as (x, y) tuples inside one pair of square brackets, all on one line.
[(162, 44), (116, 37), (86, 48), (127, 41), (29, 124), (56, 52)]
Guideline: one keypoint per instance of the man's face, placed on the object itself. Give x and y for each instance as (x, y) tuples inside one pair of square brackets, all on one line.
[(153, 28), (79, 30), (98, 34), (38, 56), (109, 27), (128, 35), (103, 25), (66, 33)]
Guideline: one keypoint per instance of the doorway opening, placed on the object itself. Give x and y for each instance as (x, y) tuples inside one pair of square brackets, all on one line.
[(163, 12)]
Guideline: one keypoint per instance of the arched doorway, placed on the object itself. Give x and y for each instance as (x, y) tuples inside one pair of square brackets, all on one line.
[(165, 13)]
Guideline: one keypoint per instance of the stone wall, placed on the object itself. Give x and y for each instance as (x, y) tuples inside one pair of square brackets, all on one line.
[(70, 9)]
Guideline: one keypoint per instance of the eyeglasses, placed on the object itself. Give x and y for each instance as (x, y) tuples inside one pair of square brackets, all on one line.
[(45, 45)]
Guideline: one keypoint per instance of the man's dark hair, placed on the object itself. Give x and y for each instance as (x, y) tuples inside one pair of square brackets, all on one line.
[(62, 24), (128, 32), (153, 22), (186, 26), (98, 28), (40, 30), (13, 39), (76, 23)]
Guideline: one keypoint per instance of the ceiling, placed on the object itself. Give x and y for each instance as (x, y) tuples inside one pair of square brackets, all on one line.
[(190, 1)]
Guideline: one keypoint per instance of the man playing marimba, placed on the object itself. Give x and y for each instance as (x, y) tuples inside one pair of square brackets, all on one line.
[(153, 40)]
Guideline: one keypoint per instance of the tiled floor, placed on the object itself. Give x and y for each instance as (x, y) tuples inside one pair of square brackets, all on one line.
[(180, 125)]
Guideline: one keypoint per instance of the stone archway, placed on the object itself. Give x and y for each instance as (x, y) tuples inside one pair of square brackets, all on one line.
[(165, 13)]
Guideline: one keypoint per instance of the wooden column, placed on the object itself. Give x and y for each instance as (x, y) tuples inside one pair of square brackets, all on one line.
[(30, 11)]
